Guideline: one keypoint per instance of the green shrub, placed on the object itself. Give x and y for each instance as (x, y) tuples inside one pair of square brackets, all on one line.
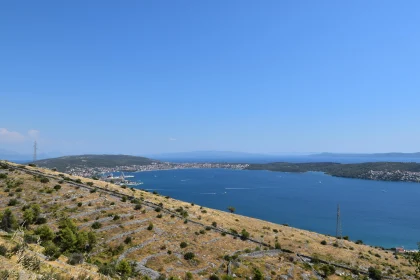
[(328, 270), (45, 233), (3, 250), (44, 180), (189, 256), (124, 268), (3, 176), (231, 209), (359, 241), (323, 242), (57, 187), (244, 235), (374, 273), (12, 202), (137, 206), (183, 244), (79, 204), (213, 277), (96, 225), (128, 240), (150, 227)]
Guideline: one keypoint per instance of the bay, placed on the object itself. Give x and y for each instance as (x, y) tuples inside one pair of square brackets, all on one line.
[(379, 213)]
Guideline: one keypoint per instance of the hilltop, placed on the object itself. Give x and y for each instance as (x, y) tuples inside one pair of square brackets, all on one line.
[(87, 228), (66, 163)]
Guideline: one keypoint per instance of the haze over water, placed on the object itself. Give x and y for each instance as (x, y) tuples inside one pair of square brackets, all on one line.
[(379, 213)]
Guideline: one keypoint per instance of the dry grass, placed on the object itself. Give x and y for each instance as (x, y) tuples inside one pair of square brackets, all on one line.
[(209, 246)]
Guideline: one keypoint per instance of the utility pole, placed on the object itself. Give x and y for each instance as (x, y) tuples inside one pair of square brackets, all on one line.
[(339, 230), (35, 148)]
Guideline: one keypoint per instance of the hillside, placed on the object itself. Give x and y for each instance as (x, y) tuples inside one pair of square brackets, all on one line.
[(66, 163), (80, 228)]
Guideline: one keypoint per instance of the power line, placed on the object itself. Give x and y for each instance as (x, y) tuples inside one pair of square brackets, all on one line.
[(35, 149)]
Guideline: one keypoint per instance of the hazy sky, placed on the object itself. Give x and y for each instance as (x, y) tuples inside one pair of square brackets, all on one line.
[(144, 77)]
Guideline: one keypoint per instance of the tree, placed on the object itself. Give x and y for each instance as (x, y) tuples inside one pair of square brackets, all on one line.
[(124, 268), (68, 239), (45, 233), (8, 221), (231, 209)]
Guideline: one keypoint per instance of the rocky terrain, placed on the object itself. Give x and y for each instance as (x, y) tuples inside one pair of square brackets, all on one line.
[(57, 226)]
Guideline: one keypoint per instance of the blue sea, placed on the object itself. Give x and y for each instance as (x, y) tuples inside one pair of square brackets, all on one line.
[(379, 213)]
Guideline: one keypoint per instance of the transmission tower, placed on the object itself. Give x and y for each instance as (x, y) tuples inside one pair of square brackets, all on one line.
[(339, 230), (35, 148)]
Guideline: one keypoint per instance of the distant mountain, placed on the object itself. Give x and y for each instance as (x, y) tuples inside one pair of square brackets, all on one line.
[(15, 156), (64, 163), (388, 155), (219, 156)]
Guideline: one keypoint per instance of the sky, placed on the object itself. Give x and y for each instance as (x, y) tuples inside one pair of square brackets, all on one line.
[(147, 77)]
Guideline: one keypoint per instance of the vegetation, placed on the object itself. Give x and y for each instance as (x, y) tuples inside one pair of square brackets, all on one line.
[(355, 170), (91, 161)]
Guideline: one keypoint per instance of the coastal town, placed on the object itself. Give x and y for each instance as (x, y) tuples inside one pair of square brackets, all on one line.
[(398, 175), (89, 172)]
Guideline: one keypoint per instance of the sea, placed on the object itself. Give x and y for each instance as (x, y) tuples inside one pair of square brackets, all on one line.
[(379, 213)]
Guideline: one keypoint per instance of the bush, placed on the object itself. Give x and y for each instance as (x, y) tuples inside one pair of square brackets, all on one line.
[(137, 206), (45, 233), (79, 204), (257, 275), (57, 187), (124, 268), (189, 276), (128, 240), (44, 180), (159, 216), (244, 235), (189, 256), (89, 184), (231, 209), (3, 250), (51, 250), (41, 220), (3, 176), (359, 241), (96, 225), (323, 242), (213, 277), (8, 221), (328, 270), (183, 244), (116, 217), (214, 224), (374, 273), (150, 227), (12, 202)]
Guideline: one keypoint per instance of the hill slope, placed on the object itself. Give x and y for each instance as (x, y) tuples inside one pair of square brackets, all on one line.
[(97, 228), (92, 161)]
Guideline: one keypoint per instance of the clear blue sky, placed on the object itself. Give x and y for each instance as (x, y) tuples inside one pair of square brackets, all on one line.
[(143, 77)]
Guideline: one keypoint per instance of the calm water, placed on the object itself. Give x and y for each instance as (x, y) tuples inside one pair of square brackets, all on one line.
[(380, 213)]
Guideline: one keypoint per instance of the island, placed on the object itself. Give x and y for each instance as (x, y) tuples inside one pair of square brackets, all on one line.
[(381, 171)]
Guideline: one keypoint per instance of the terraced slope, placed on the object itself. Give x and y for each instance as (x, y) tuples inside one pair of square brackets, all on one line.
[(144, 235)]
